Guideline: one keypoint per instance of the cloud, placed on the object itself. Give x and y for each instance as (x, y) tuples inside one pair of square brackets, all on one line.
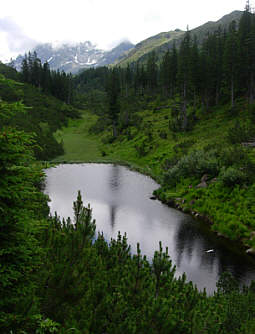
[(15, 39)]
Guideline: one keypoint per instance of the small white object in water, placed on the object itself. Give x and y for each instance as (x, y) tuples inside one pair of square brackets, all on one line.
[(209, 251)]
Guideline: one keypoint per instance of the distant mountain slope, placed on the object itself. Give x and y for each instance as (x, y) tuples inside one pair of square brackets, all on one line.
[(73, 58), (163, 41), (148, 45)]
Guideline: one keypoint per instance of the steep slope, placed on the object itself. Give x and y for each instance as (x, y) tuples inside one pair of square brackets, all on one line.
[(149, 45), (163, 41), (44, 113)]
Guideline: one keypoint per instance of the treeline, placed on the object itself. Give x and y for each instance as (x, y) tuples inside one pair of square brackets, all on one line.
[(57, 83), (220, 70), (43, 114), (56, 277)]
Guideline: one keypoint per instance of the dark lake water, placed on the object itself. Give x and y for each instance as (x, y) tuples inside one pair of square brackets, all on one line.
[(120, 200)]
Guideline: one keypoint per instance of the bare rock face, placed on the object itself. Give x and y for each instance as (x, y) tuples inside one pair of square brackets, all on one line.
[(204, 178), (73, 57), (203, 184)]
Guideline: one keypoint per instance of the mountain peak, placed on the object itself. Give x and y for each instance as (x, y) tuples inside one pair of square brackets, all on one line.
[(73, 57)]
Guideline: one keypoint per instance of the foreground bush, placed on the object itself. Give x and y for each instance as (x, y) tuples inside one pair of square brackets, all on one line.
[(101, 287)]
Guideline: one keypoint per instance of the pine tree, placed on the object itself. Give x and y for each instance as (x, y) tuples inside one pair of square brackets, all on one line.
[(244, 31), (25, 69), (20, 212), (165, 73), (152, 72), (184, 75), (113, 91), (46, 77), (195, 70), (173, 70), (231, 59)]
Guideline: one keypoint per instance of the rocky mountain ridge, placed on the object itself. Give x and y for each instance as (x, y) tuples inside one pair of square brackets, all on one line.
[(75, 57)]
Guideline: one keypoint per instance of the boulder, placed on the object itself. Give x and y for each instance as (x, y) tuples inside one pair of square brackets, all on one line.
[(204, 178), (203, 184)]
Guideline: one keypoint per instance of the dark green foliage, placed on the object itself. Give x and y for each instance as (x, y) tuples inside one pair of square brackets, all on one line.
[(195, 165), (9, 72), (44, 115), (219, 71), (56, 277), (59, 84), (67, 244), (22, 206), (241, 132), (113, 91), (102, 287), (232, 176)]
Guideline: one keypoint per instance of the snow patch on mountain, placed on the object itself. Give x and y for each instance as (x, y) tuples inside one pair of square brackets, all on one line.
[(73, 57)]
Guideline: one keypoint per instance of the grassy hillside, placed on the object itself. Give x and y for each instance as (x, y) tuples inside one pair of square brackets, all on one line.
[(155, 149), (148, 45), (162, 42), (44, 113)]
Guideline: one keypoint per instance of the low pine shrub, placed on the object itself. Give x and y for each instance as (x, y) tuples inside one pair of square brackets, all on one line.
[(195, 164), (232, 176)]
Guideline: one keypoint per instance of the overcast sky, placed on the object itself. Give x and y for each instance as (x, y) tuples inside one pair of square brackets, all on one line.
[(104, 22)]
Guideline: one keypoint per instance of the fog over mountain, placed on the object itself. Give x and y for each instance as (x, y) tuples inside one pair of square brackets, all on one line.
[(73, 57)]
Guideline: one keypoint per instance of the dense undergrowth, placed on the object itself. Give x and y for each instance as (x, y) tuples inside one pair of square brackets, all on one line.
[(213, 150), (55, 278), (44, 113)]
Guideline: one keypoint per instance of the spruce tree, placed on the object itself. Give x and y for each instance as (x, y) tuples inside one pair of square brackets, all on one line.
[(184, 75), (231, 60), (173, 70), (152, 72), (113, 91)]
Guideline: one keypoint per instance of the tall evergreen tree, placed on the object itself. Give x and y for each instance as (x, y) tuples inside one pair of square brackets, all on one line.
[(25, 69), (173, 69), (184, 75), (231, 59), (245, 25), (152, 71), (113, 91), (165, 73)]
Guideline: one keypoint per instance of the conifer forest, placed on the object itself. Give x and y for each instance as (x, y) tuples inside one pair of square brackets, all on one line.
[(182, 114)]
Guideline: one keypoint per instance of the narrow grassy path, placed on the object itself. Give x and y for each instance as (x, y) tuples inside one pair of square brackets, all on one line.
[(79, 145)]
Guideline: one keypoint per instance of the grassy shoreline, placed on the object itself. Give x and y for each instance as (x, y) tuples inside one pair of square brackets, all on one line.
[(214, 204)]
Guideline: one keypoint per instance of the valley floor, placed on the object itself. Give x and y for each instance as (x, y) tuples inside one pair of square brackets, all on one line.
[(152, 146)]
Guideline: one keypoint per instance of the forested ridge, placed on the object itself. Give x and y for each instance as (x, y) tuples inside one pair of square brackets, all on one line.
[(56, 277), (189, 119)]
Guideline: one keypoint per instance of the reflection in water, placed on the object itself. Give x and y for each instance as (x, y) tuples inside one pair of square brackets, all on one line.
[(120, 200), (113, 210), (114, 180)]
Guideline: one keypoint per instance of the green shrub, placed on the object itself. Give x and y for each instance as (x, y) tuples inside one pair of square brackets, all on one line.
[(195, 164), (109, 139), (233, 155), (142, 148), (240, 132), (232, 176), (163, 134)]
